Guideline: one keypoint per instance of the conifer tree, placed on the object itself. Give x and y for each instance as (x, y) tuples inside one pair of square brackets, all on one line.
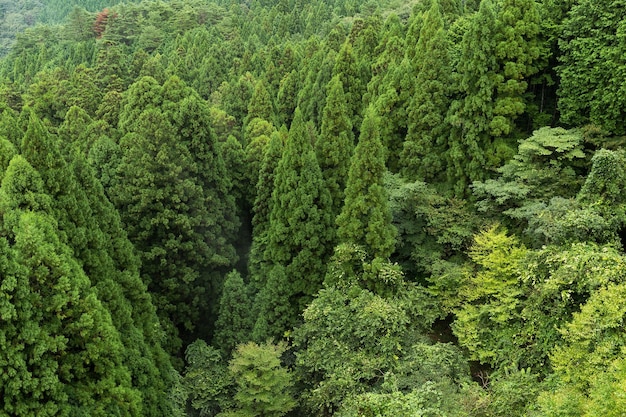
[(257, 267), (365, 218), (426, 138), (518, 50), (347, 68), (66, 357), (287, 97), (300, 221), (233, 324), (7, 152), (260, 104), (164, 214), (175, 199), (335, 144), (592, 64), (92, 228), (272, 306), (9, 126), (470, 116)]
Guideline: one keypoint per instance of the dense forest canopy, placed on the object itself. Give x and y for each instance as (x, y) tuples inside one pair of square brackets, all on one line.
[(328, 208)]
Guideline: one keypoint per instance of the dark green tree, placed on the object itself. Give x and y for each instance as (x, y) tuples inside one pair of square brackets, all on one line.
[(365, 218), (300, 221), (233, 324), (174, 196), (425, 144), (348, 70), (260, 104), (518, 50), (471, 152), (335, 144), (590, 89)]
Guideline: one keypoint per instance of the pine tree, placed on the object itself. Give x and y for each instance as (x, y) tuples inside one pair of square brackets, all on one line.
[(300, 222), (365, 218), (335, 144), (424, 146)]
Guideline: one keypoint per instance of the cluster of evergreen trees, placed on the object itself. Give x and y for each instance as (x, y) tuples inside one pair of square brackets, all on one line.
[(340, 207)]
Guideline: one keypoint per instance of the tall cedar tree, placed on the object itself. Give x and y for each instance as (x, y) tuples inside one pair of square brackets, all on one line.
[(62, 353), (233, 324), (260, 104), (262, 209), (426, 139), (173, 194), (92, 229), (365, 218), (517, 50), (347, 68), (336, 142), (387, 90), (471, 115), (300, 227)]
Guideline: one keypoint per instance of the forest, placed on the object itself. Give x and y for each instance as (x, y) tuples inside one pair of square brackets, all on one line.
[(349, 208)]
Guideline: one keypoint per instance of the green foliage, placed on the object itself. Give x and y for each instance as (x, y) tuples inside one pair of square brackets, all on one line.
[(349, 339), (233, 324), (262, 384), (548, 164), (488, 319), (589, 367), (471, 114), (62, 353), (174, 197), (518, 49), (7, 152), (591, 61), (433, 231), (427, 133), (335, 144), (300, 221), (365, 218), (207, 379)]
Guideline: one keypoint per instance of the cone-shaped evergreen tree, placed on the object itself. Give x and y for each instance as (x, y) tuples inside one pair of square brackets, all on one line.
[(347, 68), (300, 227), (518, 50), (365, 218), (62, 354), (164, 213), (275, 314), (9, 126), (92, 228), (7, 152), (174, 196), (336, 142), (422, 156), (234, 321), (262, 209), (471, 115), (260, 104)]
